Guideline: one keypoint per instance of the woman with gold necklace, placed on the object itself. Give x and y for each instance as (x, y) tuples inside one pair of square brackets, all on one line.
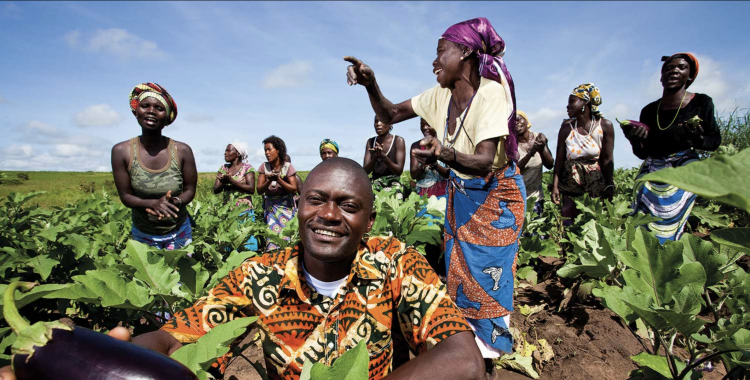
[(670, 139)]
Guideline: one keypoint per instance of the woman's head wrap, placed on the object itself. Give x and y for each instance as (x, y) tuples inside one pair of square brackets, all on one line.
[(523, 114), (329, 144), (691, 60), (479, 35), (241, 149), (590, 94), (144, 90)]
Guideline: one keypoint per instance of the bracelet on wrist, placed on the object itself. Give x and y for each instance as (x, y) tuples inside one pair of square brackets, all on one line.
[(177, 200)]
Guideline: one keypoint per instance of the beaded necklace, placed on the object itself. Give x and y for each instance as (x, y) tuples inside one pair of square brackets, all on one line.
[(461, 126)]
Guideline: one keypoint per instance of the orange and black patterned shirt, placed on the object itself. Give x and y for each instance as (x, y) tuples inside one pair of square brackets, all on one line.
[(389, 286)]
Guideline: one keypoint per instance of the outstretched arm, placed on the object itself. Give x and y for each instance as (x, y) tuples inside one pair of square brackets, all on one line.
[(387, 112)]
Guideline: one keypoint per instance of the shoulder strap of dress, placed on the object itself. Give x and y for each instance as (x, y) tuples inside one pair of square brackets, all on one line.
[(392, 141), (132, 152), (173, 153)]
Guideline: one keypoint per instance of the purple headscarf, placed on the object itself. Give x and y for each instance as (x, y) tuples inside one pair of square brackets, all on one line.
[(479, 35)]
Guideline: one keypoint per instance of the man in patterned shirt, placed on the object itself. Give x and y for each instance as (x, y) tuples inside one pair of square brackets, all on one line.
[(336, 288)]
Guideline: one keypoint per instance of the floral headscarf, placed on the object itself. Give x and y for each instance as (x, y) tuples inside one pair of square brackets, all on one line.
[(479, 35), (590, 94), (150, 89)]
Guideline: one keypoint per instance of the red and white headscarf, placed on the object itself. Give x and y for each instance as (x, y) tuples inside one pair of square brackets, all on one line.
[(150, 89)]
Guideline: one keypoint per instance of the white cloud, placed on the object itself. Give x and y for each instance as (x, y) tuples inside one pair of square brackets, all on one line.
[(98, 115), (37, 128), (116, 42), (24, 150), (73, 150), (72, 38), (292, 74)]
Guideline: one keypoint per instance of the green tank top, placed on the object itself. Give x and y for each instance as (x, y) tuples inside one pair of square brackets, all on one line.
[(154, 184)]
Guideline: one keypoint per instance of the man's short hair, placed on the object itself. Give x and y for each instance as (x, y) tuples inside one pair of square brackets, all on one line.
[(355, 170)]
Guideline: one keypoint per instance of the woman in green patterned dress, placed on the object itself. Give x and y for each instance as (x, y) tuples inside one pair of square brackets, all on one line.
[(155, 175)]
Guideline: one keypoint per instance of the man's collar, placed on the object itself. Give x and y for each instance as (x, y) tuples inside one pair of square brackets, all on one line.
[(362, 268)]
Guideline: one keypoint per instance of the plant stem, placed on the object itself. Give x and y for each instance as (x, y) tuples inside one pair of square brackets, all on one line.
[(671, 343), (670, 358), (711, 305), (703, 360), (10, 311)]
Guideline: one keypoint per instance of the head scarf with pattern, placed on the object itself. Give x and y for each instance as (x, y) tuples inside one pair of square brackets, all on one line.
[(329, 144), (691, 60), (479, 35), (241, 149), (590, 94), (150, 89), (523, 114)]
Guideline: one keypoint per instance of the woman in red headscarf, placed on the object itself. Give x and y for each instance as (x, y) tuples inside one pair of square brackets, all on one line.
[(155, 175), (675, 126), (472, 109)]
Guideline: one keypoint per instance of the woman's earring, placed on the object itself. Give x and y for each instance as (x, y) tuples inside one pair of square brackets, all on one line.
[(583, 109)]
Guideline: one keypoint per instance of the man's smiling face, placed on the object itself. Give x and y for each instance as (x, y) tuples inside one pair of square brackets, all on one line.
[(335, 210)]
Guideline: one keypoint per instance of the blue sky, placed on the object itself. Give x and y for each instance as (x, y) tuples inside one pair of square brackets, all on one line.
[(244, 71)]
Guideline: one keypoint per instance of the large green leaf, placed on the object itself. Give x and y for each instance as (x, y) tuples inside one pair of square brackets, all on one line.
[(703, 252), (351, 365), (657, 363), (201, 354), (659, 271), (683, 312), (723, 178), (615, 297), (43, 265), (107, 288), (736, 238), (150, 267), (597, 259)]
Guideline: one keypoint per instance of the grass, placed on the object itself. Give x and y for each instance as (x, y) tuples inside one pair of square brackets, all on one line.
[(66, 187)]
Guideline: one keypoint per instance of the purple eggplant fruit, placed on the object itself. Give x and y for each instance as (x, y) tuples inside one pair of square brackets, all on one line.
[(52, 350), (632, 123)]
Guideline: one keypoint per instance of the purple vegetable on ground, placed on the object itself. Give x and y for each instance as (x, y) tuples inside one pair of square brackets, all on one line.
[(632, 123), (52, 350)]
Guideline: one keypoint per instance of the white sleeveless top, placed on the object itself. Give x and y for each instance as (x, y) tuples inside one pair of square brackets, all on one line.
[(589, 145)]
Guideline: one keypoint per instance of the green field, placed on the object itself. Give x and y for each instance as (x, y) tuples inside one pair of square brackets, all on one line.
[(65, 187)]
